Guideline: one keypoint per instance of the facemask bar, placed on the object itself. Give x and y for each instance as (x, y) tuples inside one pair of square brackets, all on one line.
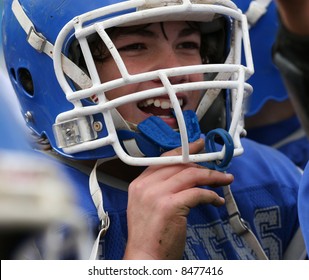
[(239, 35), (82, 114)]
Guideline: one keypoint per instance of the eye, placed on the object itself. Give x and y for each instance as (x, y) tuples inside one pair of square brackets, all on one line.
[(189, 46), (133, 47)]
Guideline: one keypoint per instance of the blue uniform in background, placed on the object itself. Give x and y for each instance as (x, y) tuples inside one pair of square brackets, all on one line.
[(287, 136), (304, 205), (265, 189)]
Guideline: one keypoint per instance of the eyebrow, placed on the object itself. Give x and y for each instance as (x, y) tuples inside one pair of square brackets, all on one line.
[(141, 32), (188, 31)]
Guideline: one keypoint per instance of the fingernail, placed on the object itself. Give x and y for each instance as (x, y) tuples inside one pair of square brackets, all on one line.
[(229, 175)]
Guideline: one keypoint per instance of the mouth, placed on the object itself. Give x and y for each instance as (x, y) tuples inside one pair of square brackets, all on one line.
[(160, 107)]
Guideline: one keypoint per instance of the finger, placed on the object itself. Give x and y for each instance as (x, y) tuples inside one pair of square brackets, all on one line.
[(191, 177), (194, 148), (163, 172), (166, 181), (193, 197)]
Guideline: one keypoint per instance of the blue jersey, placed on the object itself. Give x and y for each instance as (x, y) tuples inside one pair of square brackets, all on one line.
[(303, 204), (287, 136), (265, 189)]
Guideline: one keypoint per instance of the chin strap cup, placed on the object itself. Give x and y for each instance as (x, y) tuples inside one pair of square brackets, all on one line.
[(156, 137), (157, 131)]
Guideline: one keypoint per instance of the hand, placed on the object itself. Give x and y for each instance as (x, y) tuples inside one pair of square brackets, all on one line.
[(159, 202), (295, 15)]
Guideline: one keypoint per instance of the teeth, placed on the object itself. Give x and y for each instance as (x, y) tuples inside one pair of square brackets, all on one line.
[(165, 104), (149, 102), (159, 103)]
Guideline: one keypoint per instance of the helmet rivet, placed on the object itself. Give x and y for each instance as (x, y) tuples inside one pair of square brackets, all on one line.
[(68, 132), (28, 117), (97, 126)]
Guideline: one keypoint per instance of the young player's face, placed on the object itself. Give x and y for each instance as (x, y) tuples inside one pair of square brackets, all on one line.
[(155, 46)]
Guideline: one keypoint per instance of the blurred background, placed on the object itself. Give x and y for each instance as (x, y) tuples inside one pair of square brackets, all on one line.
[(1, 51), (6, 90)]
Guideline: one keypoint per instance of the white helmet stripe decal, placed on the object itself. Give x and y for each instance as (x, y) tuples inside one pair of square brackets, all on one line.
[(39, 42)]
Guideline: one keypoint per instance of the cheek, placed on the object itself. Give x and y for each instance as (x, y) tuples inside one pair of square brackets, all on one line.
[(196, 95), (194, 99), (108, 71), (137, 65), (128, 110), (191, 60), (122, 91), (197, 77)]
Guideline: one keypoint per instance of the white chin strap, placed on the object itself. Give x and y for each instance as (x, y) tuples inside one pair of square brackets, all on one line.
[(97, 197), (212, 93), (239, 225)]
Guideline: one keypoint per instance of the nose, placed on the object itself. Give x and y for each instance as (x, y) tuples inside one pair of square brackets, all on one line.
[(168, 58)]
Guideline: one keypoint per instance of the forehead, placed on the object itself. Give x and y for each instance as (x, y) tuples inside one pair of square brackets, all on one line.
[(184, 27)]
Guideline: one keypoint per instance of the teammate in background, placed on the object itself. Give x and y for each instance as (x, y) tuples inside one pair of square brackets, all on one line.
[(35, 199), (121, 93), (270, 118), (292, 58), (30, 191)]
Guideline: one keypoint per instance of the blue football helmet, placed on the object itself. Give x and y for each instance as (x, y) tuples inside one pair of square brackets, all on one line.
[(66, 103), (263, 25)]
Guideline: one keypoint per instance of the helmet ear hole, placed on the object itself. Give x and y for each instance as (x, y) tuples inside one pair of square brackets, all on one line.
[(25, 80), (13, 74)]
